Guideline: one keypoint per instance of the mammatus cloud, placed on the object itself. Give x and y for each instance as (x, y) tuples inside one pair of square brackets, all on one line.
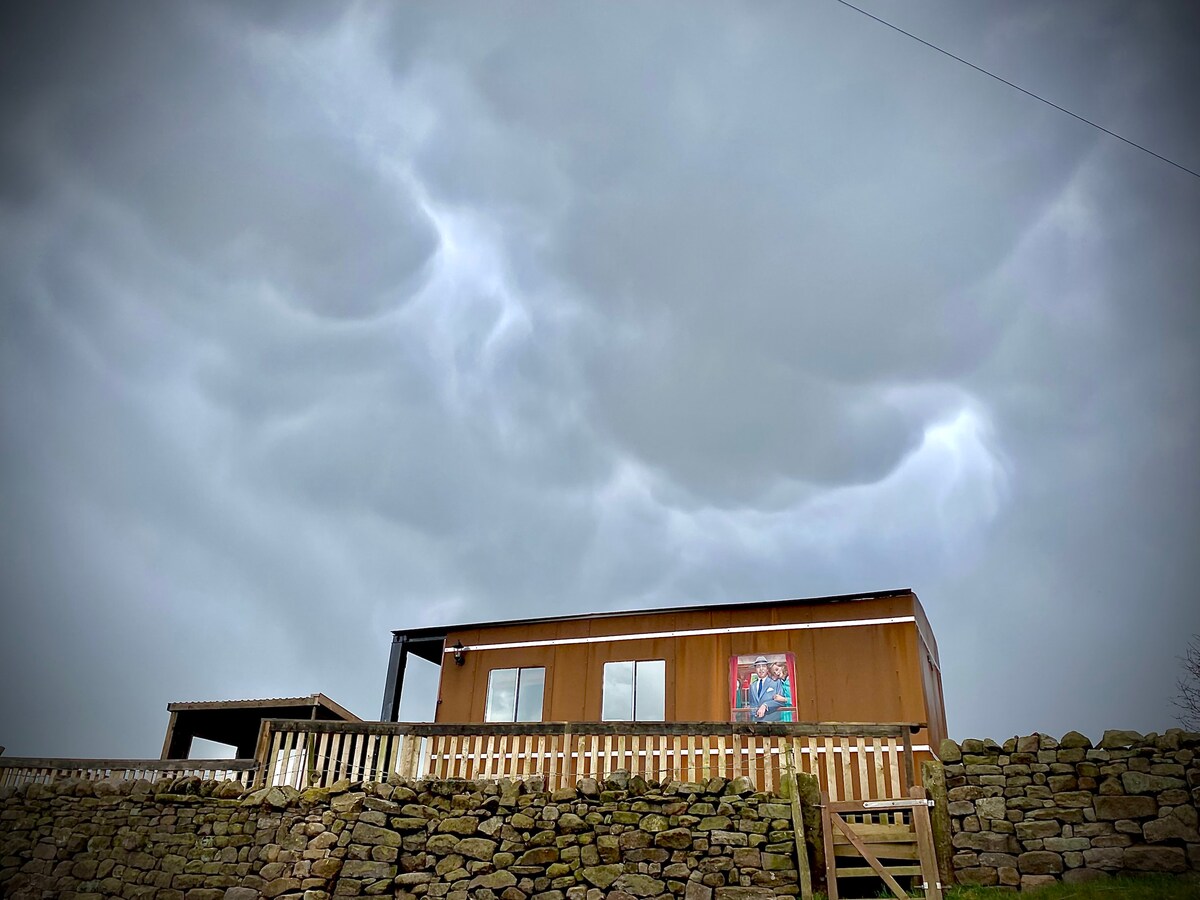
[(323, 321)]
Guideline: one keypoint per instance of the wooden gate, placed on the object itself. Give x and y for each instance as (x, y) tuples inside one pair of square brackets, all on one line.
[(893, 837)]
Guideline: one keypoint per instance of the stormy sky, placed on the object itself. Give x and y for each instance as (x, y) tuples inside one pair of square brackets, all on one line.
[(320, 320)]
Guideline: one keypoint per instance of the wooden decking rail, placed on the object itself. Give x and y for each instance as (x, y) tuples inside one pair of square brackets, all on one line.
[(16, 770), (851, 760)]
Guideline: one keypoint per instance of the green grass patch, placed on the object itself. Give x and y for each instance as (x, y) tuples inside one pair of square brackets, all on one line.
[(1156, 888), (1184, 887)]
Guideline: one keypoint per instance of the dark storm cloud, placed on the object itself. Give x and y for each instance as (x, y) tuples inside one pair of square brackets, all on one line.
[(325, 320)]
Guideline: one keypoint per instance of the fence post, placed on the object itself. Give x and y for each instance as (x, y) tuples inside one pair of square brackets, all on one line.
[(933, 775), (909, 774), (568, 750), (408, 756), (791, 787), (310, 761), (261, 753)]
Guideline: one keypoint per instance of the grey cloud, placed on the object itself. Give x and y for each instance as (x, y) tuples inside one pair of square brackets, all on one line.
[(815, 299), (320, 321), (230, 164)]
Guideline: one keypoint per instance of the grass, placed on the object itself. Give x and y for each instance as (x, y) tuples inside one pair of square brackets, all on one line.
[(1148, 888)]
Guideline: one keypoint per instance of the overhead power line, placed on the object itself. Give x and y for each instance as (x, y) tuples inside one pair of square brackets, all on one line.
[(1017, 87)]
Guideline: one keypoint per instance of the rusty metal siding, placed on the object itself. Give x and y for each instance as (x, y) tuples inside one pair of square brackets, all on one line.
[(863, 673)]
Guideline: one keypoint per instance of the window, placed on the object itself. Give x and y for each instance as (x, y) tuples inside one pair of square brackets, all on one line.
[(515, 695), (635, 691)]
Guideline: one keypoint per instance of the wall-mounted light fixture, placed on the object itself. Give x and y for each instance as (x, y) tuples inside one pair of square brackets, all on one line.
[(460, 653)]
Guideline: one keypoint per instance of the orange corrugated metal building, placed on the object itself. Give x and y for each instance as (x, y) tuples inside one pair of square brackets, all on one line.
[(852, 658)]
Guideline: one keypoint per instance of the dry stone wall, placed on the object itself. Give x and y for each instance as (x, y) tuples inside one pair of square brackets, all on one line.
[(185, 839), (1036, 809)]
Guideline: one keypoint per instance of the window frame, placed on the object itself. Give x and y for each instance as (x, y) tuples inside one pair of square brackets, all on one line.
[(516, 701), (636, 663)]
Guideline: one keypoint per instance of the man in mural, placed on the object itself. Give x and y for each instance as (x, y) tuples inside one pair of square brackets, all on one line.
[(766, 698)]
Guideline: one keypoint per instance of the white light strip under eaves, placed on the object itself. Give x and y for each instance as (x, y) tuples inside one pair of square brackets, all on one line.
[(655, 635)]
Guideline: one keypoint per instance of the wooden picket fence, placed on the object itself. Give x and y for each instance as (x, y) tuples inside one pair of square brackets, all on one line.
[(851, 760), (16, 770)]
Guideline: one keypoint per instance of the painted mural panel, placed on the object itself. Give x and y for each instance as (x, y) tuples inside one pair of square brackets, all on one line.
[(760, 687)]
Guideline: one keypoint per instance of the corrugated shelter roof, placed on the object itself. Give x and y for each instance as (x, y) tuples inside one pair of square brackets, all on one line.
[(237, 722)]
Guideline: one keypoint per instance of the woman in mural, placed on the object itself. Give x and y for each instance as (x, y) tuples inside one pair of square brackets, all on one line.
[(779, 672)]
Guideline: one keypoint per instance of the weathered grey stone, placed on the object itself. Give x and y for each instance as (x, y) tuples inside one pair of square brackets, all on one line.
[(521, 821), (1171, 860), (634, 840), (442, 843), (412, 879), (495, 881), (345, 803), (477, 848), (374, 835), (1061, 783), (1173, 827), (654, 823), (639, 885), (1108, 858), (1115, 739), (538, 856), (1074, 799), (1064, 844), (778, 862), (280, 886), (728, 838), (674, 839), (980, 769), (462, 825), (569, 823), (996, 860), (601, 876), (980, 876), (326, 868), (1121, 807), (1073, 740), (1039, 862), (741, 786), (991, 807), (366, 868), (949, 752), (1143, 783), (983, 841), (970, 792), (1027, 831), (745, 893)]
